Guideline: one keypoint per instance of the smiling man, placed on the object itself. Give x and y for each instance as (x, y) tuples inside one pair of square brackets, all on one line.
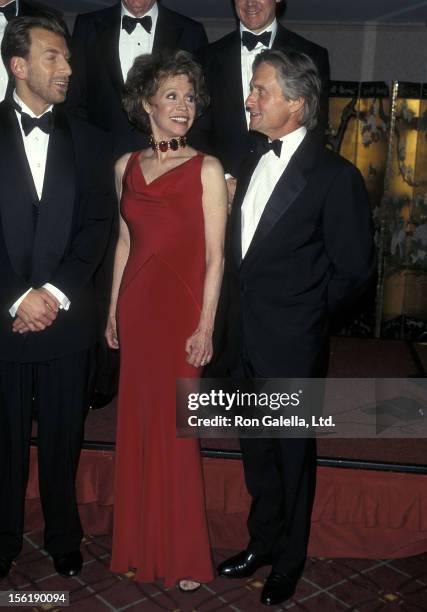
[(300, 246), (8, 10), (228, 67), (56, 207), (105, 44), (256, 15)]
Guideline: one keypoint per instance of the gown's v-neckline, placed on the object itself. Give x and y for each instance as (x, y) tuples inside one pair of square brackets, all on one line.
[(164, 173)]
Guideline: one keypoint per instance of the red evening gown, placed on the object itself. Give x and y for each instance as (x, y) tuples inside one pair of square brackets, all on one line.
[(160, 526)]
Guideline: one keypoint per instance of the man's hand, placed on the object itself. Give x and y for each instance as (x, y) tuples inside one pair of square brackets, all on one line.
[(20, 326), (231, 188), (37, 311)]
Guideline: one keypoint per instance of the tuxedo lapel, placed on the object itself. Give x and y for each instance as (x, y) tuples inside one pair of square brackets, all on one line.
[(281, 40), (236, 215), (57, 204), (18, 197), (108, 37), (167, 32), (24, 7), (287, 190)]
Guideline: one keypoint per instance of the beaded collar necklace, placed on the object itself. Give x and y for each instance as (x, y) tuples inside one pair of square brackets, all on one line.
[(165, 145)]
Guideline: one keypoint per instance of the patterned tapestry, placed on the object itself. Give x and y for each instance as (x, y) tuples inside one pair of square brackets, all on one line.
[(385, 135), (359, 115), (404, 213)]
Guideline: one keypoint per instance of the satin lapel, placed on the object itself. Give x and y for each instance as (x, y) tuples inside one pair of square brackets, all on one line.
[(18, 196), (108, 50), (57, 204), (236, 215), (288, 188), (167, 33), (281, 39), (231, 80)]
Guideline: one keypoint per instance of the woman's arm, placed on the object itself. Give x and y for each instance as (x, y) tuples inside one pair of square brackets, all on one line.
[(199, 345), (120, 258)]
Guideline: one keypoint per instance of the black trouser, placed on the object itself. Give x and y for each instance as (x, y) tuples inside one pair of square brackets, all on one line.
[(107, 369), (59, 389), (280, 476)]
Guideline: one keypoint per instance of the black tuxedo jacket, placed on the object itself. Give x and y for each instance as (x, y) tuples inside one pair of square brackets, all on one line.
[(311, 253), (223, 129), (32, 8), (61, 239), (97, 81), (28, 8)]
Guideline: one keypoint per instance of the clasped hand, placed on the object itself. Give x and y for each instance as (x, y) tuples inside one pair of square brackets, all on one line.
[(37, 311), (199, 348)]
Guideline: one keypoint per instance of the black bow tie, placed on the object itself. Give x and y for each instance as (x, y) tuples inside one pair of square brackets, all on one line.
[(9, 11), (250, 40), (130, 23), (29, 123), (264, 146)]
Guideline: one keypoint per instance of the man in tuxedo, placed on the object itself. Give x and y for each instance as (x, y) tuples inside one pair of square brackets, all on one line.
[(56, 207), (300, 246), (228, 68), (105, 44)]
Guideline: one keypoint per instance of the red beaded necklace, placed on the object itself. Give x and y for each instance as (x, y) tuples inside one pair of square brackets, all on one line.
[(165, 145)]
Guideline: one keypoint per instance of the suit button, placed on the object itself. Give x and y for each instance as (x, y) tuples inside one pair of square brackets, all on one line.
[(243, 288)]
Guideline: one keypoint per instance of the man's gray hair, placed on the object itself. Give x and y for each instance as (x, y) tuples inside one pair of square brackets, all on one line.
[(298, 77)]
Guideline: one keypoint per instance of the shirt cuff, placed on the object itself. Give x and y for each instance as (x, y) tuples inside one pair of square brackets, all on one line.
[(64, 302), (14, 308)]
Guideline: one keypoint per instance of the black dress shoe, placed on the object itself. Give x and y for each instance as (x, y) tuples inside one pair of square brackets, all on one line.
[(242, 565), (277, 588), (5, 565), (100, 400), (68, 564)]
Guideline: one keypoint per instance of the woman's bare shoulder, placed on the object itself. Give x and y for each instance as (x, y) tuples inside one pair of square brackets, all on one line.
[(121, 163), (212, 167)]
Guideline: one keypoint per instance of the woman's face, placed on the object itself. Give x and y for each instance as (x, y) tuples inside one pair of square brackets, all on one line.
[(172, 109)]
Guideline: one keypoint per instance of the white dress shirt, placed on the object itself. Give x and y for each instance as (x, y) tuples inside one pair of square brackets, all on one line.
[(247, 59), (4, 79), (138, 42), (264, 179), (36, 146)]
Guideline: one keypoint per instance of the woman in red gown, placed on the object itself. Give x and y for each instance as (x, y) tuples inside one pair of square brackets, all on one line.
[(167, 275)]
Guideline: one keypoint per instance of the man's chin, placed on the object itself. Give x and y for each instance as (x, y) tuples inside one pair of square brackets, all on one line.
[(58, 99), (254, 125), (57, 96)]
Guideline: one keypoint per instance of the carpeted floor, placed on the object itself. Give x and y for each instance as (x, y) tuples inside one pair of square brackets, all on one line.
[(327, 585)]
